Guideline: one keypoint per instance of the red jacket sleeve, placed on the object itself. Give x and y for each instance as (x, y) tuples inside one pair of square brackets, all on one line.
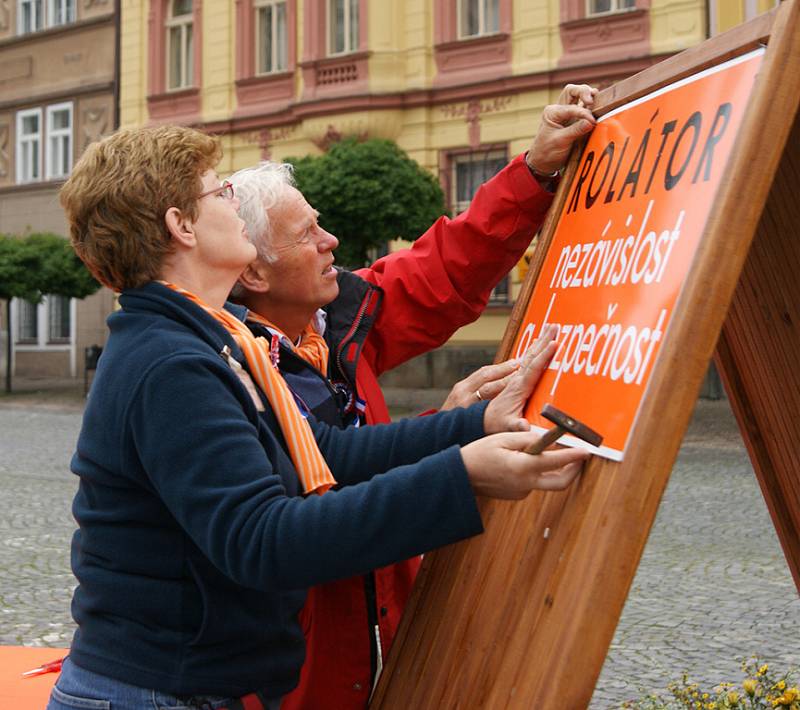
[(444, 280)]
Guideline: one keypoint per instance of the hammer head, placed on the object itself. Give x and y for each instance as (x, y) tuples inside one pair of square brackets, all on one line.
[(571, 425)]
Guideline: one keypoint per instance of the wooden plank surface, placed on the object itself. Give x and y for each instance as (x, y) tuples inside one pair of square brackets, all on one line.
[(759, 353), (522, 616)]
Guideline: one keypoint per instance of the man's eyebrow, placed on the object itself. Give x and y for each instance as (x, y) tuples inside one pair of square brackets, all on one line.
[(317, 215)]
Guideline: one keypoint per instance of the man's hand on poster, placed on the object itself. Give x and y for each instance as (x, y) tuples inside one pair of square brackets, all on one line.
[(504, 412), (483, 384), (561, 125)]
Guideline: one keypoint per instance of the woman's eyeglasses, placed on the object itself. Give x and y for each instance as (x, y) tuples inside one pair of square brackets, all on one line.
[(225, 190)]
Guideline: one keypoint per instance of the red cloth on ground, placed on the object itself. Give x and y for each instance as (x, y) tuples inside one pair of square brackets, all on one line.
[(26, 693)]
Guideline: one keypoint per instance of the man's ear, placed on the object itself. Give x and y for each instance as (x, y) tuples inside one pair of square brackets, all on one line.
[(255, 277), (180, 227)]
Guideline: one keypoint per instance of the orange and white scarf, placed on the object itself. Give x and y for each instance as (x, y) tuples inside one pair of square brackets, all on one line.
[(312, 469)]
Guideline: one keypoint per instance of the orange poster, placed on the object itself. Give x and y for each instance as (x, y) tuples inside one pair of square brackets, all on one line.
[(625, 239)]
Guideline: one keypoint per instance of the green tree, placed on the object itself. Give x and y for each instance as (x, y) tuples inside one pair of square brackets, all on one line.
[(61, 273), (368, 193), (35, 265)]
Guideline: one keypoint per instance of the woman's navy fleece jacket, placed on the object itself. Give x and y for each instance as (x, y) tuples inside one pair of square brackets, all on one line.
[(194, 546)]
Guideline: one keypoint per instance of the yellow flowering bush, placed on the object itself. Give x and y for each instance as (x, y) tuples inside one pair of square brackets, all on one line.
[(761, 689)]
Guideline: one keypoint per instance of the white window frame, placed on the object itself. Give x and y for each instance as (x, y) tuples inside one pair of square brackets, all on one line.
[(68, 11), (279, 63), (51, 173), (43, 343), (348, 48), (39, 20), (22, 143), (615, 8), (187, 59), (482, 29)]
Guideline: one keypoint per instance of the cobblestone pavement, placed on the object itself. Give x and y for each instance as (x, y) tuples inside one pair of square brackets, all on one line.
[(713, 585), (36, 525)]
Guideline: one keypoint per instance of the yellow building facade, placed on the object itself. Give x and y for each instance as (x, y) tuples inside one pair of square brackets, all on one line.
[(459, 84)]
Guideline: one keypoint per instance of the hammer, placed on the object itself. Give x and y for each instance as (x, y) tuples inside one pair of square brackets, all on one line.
[(564, 424)]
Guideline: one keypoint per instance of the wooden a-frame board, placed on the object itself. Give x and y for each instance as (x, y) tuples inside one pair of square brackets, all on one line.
[(517, 619)]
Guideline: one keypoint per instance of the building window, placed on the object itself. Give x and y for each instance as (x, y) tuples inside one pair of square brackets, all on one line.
[(180, 53), (27, 314), (271, 36), (48, 323), (342, 26), (29, 145), (59, 141), (60, 12), (603, 7), (59, 324), (478, 17), (174, 67), (604, 32), (469, 172), (30, 16)]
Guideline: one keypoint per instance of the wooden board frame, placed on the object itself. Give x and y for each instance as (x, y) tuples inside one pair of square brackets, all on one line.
[(522, 616)]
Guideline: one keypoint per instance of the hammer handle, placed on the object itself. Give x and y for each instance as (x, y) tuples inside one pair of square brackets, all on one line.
[(545, 440)]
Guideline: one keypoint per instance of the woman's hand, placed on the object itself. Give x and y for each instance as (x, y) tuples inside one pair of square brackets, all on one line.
[(499, 467)]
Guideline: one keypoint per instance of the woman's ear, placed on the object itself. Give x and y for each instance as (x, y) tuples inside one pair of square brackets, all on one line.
[(180, 227), (255, 277)]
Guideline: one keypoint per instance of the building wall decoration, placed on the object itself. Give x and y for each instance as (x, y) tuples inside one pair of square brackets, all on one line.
[(471, 112), (95, 123), (265, 138), (5, 16)]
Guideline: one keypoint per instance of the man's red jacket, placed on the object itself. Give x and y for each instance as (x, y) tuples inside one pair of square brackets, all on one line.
[(429, 291)]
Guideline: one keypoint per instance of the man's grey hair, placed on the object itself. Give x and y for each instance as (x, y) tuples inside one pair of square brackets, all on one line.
[(258, 190)]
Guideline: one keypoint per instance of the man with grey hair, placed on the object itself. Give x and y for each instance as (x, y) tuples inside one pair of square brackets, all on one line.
[(372, 320)]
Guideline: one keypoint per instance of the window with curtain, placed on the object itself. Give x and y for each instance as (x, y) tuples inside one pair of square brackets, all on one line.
[(271, 36), (27, 321), (29, 145), (603, 7), (59, 324), (59, 140), (478, 17), (469, 172), (180, 53), (35, 15), (342, 26), (30, 16), (61, 12)]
